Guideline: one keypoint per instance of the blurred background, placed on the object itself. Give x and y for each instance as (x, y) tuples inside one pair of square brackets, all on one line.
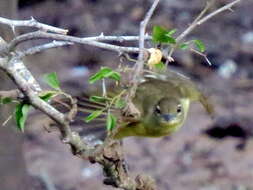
[(207, 154)]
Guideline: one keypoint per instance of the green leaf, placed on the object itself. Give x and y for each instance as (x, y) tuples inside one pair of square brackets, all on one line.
[(171, 32), (21, 112), (120, 103), (93, 115), (99, 75), (200, 45), (5, 100), (104, 72), (161, 35), (52, 80), (170, 39), (160, 66), (184, 46), (47, 95), (99, 99), (110, 122)]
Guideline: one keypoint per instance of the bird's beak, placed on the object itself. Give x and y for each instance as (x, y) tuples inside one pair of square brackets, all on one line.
[(168, 117)]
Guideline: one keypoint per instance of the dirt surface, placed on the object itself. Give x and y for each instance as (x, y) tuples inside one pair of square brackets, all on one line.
[(207, 154)]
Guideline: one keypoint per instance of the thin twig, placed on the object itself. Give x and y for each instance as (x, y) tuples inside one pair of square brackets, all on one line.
[(7, 120), (189, 29), (47, 28), (56, 44), (60, 37), (117, 38), (143, 26), (43, 47), (32, 23), (199, 21), (203, 55), (226, 7), (140, 62), (203, 12)]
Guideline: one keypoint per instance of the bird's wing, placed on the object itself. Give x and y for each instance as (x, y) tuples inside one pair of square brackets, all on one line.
[(93, 131), (207, 104), (186, 87)]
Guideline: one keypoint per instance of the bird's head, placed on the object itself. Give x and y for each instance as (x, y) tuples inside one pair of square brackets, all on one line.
[(169, 111)]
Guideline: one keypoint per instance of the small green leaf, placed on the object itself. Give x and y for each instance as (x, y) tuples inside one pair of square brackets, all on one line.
[(184, 46), (93, 115), (21, 112), (200, 45), (120, 103), (160, 66), (171, 32), (170, 39), (99, 99), (158, 34), (104, 72), (110, 122), (47, 95), (99, 75), (5, 100), (161, 35), (52, 80)]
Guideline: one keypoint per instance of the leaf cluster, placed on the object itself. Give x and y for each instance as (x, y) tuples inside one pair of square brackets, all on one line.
[(109, 103), (163, 36)]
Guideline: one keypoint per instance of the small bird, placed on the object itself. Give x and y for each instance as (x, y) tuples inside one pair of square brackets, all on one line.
[(161, 105)]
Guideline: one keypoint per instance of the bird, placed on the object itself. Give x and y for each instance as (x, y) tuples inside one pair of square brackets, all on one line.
[(161, 105)]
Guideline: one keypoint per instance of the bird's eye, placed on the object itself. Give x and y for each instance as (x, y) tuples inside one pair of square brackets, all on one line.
[(158, 109), (179, 109)]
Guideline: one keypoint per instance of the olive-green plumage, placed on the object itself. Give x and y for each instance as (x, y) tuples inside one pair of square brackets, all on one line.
[(162, 102)]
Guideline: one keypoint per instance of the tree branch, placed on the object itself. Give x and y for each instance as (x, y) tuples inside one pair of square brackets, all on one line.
[(140, 62), (200, 20), (59, 37), (224, 8), (43, 47), (110, 154), (32, 23)]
